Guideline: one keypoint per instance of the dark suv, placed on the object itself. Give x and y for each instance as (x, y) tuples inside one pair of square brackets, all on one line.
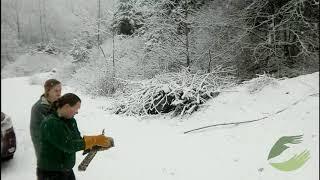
[(8, 138)]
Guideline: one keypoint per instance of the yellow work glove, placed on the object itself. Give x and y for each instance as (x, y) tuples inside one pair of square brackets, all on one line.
[(99, 140)]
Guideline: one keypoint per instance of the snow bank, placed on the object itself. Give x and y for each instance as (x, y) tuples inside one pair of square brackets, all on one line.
[(156, 148), (27, 65)]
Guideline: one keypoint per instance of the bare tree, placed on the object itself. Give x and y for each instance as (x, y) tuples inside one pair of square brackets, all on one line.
[(167, 35), (45, 20), (282, 33), (98, 23), (186, 31), (41, 21), (17, 8)]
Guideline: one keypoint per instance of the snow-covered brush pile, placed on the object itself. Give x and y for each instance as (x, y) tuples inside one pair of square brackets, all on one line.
[(40, 78), (49, 48), (28, 65), (180, 93), (257, 84)]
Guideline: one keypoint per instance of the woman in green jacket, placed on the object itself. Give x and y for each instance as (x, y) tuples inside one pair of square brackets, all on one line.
[(42, 108), (60, 140)]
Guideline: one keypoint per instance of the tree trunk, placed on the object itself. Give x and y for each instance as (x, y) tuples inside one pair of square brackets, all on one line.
[(40, 18), (209, 66), (98, 23), (71, 3), (187, 34), (18, 21), (113, 61), (45, 22), (18, 27), (286, 47), (274, 41), (30, 35)]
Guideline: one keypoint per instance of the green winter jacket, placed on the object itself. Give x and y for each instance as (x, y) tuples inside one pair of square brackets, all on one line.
[(60, 140), (39, 111)]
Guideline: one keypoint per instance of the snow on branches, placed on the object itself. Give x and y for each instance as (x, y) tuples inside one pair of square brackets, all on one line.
[(180, 93), (257, 84)]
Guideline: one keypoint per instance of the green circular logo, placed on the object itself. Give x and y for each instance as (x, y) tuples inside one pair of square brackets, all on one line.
[(294, 162)]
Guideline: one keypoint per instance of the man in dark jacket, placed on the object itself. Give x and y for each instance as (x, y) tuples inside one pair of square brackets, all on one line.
[(42, 108)]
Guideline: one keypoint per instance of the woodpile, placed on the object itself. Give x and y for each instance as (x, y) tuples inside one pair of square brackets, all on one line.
[(180, 93)]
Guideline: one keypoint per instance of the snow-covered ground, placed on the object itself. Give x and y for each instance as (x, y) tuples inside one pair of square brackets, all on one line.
[(27, 64), (157, 149)]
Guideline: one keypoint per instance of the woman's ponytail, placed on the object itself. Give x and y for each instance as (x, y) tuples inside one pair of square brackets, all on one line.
[(54, 105)]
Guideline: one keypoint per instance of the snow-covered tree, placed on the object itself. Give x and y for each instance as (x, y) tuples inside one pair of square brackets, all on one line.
[(127, 17), (170, 34), (216, 35), (281, 35)]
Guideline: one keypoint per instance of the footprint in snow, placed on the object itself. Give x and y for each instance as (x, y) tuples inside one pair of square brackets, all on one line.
[(260, 169)]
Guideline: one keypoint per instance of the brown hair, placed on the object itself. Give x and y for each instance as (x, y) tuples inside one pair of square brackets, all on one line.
[(68, 98), (49, 84)]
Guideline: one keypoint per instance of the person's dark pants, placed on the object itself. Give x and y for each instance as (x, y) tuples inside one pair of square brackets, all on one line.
[(55, 175)]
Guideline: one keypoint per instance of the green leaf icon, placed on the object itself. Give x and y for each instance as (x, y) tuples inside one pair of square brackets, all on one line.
[(294, 163), (280, 145)]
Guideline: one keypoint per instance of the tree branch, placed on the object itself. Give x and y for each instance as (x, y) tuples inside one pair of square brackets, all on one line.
[(259, 119)]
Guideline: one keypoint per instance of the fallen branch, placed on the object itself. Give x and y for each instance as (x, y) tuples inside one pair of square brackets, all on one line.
[(223, 124), (242, 122)]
